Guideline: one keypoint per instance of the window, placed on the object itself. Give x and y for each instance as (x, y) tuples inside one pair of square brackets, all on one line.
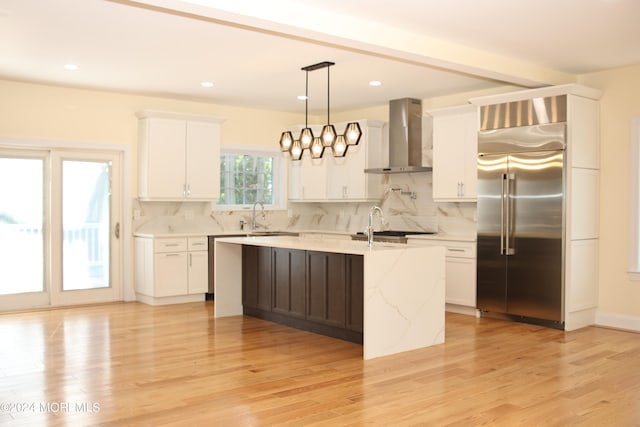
[(249, 175)]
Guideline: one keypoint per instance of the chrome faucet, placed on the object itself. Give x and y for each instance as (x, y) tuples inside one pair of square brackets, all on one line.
[(254, 224), (369, 230)]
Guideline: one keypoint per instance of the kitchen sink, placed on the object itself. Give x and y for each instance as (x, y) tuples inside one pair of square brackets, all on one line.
[(268, 233), (391, 236)]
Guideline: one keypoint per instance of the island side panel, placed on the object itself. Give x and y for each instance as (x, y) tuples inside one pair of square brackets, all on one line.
[(228, 279), (404, 293)]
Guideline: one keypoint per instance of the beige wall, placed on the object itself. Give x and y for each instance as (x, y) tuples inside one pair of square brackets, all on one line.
[(619, 104), (56, 113)]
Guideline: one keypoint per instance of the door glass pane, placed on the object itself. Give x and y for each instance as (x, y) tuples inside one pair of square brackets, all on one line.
[(21, 219), (85, 224)]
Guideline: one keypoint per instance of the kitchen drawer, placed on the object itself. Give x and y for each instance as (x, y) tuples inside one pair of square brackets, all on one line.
[(197, 243), (453, 248), (174, 244)]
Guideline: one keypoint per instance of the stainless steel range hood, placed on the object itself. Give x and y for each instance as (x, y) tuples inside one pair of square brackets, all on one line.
[(405, 138)]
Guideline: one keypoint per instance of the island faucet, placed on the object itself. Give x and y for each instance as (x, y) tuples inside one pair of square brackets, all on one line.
[(254, 224), (369, 230)]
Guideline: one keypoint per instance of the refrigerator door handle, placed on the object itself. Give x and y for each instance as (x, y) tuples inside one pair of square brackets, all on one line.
[(509, 220), (502, 201)]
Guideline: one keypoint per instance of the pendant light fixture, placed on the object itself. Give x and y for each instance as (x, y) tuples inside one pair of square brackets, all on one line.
[(317, 148), (306, 135), (328, 134), (339, 147), (339, 144)]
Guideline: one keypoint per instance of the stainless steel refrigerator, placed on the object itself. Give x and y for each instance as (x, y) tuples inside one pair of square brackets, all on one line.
[(520, 222)]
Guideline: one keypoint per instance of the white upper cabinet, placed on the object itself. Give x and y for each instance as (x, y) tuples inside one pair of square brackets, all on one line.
[(340, 179), (455, 151), (346, 180), (178, 157), (307, 176)]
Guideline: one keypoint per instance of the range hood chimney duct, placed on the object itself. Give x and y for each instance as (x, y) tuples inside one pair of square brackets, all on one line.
[(405, 138)]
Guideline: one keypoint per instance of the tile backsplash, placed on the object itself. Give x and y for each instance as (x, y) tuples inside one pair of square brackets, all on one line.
[(406, 202)]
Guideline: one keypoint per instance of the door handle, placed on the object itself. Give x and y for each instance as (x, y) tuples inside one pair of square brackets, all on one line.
[(502, 201), (116, 230), (509, 250)]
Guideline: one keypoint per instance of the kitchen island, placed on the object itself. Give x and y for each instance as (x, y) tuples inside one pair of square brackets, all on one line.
[(403, 287)]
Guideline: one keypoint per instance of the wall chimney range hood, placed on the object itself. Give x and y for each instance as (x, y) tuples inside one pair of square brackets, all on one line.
[(405, 138)]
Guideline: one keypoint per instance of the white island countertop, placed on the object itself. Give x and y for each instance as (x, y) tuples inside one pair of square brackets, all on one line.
[(403, 295), (342, 246)]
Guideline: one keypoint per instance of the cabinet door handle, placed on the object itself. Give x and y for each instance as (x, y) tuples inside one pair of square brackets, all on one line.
[(188, 189), (190, 260), (116, 230)]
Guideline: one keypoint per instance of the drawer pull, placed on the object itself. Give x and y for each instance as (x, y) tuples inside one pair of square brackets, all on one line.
[(172, 255), (171, 244), (456, 250)]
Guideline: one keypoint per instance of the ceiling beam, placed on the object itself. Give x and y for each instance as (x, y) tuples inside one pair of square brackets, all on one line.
[(295, 20)]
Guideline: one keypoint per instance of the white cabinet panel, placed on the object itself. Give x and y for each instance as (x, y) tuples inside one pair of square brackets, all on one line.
[(585, 195), (162, 158), (460, 279), (455, 153), (178, 157), (203, 160), (170, 272), (198, 280)]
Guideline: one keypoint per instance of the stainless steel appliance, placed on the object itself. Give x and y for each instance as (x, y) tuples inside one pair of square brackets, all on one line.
[(405, 138), (521, 211)]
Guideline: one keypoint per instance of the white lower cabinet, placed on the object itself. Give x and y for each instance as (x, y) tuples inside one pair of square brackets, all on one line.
[(197, 265), (171, 270), (460, 270)]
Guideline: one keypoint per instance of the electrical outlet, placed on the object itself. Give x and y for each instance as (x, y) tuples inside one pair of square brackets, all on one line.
[(188, 214)]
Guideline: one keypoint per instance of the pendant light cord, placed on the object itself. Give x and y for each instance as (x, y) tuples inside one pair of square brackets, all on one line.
[(328, 91), (306, 101)]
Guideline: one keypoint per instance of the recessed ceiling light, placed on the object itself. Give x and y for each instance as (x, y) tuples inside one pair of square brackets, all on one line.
[(302, 97), (71, 67), (375, 83), (206, 84)]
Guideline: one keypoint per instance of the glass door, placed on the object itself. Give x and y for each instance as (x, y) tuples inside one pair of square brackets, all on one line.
[(59, 228), (23, 209), (85, 234)]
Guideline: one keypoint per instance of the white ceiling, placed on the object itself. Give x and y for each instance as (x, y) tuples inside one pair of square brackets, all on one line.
[(252, 50)]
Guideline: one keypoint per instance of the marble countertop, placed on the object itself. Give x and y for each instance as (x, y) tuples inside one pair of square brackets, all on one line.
[(323, 245), (443, 237), (302, 232), (168, 234)]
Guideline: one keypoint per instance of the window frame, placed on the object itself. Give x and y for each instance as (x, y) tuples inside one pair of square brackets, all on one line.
[(279, 174), (634, 226)]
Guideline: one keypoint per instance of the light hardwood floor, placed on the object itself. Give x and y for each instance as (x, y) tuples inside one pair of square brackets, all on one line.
[(132, 364)]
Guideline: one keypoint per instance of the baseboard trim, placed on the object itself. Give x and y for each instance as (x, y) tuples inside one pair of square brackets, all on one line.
[(618, 321), (461, 309)]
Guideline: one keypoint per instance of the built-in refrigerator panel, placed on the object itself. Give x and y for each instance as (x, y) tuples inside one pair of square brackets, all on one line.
[(491, 264), (520, 221)]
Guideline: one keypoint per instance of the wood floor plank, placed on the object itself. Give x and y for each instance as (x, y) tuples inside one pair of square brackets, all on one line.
[(178, 365)]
